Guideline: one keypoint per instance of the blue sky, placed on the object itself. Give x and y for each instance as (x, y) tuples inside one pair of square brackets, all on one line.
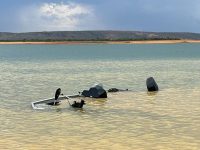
[(135, 15)]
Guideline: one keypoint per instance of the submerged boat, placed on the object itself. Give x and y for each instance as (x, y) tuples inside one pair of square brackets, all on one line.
[(52, 101)]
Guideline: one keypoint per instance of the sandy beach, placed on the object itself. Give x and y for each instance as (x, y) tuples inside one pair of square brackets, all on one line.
[(103, 42)]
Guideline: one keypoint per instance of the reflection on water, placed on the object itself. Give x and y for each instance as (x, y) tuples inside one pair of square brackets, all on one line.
[(136, 119)]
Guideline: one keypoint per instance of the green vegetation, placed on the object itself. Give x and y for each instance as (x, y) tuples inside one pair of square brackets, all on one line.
[(59, 36)]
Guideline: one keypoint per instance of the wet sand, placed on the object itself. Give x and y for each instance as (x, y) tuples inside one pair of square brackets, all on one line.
[(104, 42)]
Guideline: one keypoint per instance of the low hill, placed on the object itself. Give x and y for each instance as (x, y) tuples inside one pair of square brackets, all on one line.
[(96, 36)]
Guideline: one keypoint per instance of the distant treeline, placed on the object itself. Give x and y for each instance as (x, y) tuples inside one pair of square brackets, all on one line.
[(95, 36), (69, 40)]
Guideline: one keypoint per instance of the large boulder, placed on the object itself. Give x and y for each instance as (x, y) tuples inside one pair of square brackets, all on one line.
[(96, 92), (151, 84)]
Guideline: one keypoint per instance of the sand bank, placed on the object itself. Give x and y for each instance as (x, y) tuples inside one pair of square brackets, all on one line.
[(103, 42)]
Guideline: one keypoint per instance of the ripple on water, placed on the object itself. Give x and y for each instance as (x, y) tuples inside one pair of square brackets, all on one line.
[(135, 119)]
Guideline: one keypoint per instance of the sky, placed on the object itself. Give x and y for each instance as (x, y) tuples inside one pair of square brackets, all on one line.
[(125, 15)]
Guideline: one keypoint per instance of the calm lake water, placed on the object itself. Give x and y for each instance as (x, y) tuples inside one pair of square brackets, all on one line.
[(169, 119)]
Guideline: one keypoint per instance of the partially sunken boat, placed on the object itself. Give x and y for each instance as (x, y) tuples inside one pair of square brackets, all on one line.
[(50, 101), (96, 91)]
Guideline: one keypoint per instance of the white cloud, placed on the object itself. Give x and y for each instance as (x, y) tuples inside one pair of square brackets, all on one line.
[(57, 17)]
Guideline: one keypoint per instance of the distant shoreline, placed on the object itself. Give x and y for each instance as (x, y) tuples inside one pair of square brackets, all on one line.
[(101, 42)]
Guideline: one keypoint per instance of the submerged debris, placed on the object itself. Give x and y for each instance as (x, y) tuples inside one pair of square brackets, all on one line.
[(78, 104), (151, 84)]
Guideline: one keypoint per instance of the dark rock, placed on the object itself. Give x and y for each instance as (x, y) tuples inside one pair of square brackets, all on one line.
[(95, 92), (151, 84)]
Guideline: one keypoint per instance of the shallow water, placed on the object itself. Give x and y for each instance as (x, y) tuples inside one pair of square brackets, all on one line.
[(169, 119)]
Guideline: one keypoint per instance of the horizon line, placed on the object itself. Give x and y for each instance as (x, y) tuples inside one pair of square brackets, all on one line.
[(101, 31)]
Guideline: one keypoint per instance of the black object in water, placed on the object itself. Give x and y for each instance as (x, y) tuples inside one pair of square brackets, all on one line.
[(57, 94), (116, 90), (52, 103), (151, 84), (95, 92), (78, 104)]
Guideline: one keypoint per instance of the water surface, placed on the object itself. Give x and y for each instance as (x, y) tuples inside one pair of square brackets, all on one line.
[(136, 119)]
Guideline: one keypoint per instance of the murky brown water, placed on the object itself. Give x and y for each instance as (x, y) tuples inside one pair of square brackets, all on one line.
[(169, 119)]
